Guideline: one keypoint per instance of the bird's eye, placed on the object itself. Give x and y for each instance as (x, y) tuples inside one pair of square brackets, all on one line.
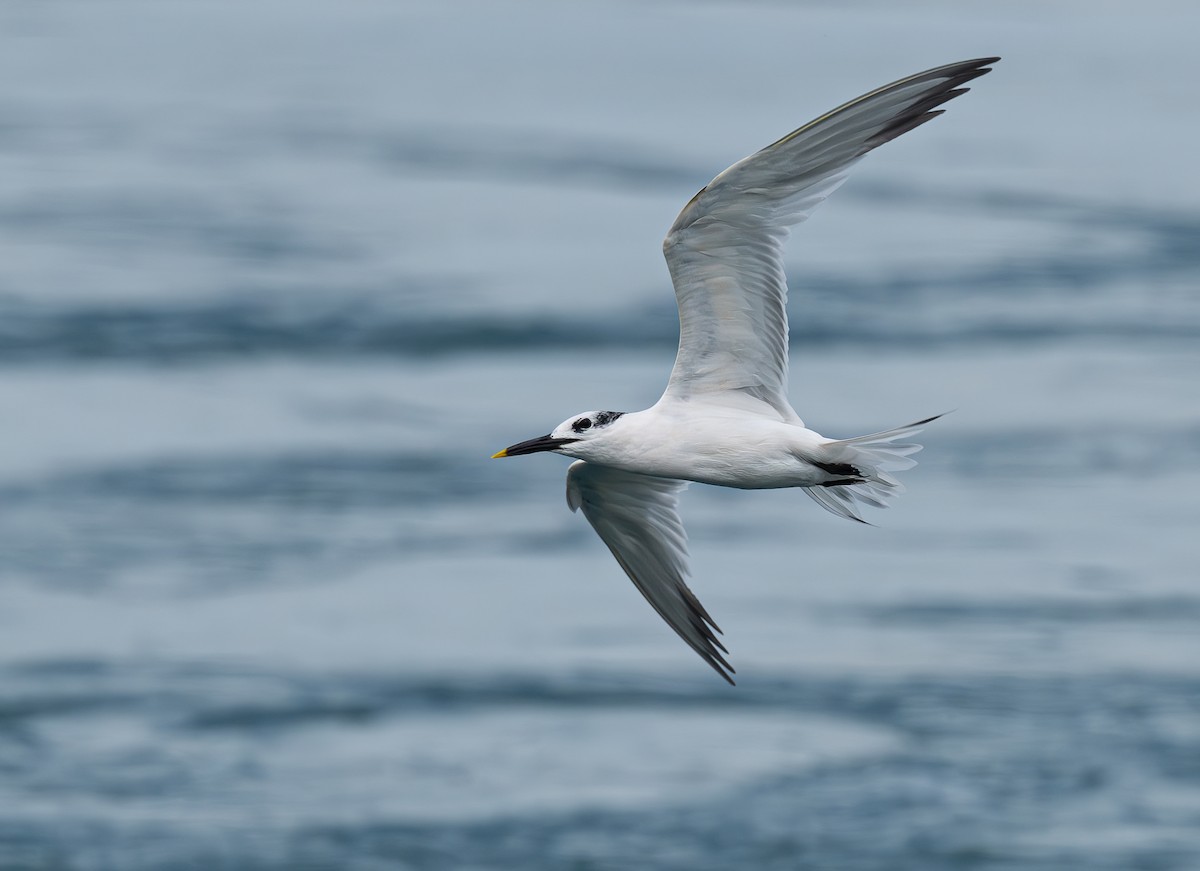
[(581, 424)]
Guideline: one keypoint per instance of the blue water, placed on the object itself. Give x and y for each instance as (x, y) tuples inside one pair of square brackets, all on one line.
[(276, 279)]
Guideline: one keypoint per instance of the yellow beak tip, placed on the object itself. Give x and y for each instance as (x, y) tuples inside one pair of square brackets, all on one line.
[(499, 454)]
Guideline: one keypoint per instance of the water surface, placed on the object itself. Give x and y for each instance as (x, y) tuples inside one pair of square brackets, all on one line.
[(277, 280)]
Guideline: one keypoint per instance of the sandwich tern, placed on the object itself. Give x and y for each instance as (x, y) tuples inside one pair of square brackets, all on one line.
[(725, 418)]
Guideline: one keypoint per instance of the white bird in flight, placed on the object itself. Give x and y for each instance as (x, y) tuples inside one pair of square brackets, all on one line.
[(725, 418)]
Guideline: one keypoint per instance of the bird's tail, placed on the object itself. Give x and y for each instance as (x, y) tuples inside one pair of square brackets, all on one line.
[(861, 469)]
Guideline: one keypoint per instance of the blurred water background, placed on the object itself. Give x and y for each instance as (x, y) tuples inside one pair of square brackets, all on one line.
[(277, 277)]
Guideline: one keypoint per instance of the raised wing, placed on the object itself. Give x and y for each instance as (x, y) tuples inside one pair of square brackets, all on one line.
[(725, 248), (637, 516)]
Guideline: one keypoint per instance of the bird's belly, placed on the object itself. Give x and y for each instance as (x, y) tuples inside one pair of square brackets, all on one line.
[(754, 476), (747, 467)]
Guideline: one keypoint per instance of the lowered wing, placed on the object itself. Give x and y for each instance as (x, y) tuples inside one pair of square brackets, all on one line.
[(637, 516)]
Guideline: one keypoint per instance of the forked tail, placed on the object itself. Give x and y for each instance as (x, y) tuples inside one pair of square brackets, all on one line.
[(862, 468)]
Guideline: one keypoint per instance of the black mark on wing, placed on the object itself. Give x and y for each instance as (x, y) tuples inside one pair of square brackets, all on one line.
[(841, 469)]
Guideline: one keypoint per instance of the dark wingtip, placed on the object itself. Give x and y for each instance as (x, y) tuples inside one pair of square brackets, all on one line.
[(979, 66), (949, 78), (715, 660), (931, 419), (729, 680), (718, 664)]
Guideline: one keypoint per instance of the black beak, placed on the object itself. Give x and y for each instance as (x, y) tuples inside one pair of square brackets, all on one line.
[(533, 446)]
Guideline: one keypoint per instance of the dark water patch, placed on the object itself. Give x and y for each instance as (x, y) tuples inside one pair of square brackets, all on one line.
[(782, 830), (207, 523), (543, 158), (209, 696), (993, 771), (557, 159), (38, 705), (37, 848), (1167, 236), (146, 552), (324, 480), (1035, 612), (164, 220), (1130, 293), (1133, 292), (199, 697), (1019, 796), (360, 698), (63, 668), (841, 314), (1065, 452), (703, 837), (74, 688), (173, 334)]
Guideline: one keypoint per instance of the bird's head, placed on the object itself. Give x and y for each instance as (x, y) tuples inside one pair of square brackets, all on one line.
[(576, 436)]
